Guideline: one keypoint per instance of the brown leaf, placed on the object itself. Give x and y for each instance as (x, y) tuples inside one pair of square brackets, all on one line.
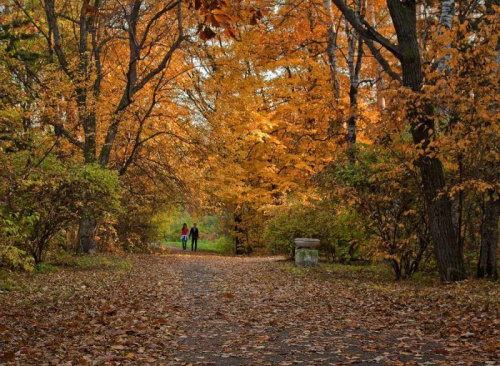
[(441, 351), (207, 34), (8, 356)]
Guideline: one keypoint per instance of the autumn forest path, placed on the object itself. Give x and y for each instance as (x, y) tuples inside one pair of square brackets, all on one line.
[(180, 309)]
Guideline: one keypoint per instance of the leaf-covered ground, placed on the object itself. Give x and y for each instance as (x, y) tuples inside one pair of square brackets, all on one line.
[(199, 309)]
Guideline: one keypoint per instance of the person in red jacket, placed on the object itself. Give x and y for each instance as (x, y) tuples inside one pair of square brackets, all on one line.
[(184, 236)]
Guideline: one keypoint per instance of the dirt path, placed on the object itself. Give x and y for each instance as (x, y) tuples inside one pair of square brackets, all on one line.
[(201, 309)]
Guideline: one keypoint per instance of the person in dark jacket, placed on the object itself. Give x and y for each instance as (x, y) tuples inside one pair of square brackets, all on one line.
[(194, 234)]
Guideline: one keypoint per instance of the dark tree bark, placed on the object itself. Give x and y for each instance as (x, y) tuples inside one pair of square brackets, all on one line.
[(487, 265), (239, 232), (86, 234), (354, 60)]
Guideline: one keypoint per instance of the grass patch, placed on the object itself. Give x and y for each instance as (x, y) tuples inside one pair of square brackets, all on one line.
[(60, 262), (206, 246), (425, 278), (372, 274), (45, 268)]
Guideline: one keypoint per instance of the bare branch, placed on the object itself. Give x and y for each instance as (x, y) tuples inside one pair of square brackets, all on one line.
[(52, 20), (365, 29), (168, 55), (142, 120), (61, 131), (153, 20), (133, 86), (381, 60)]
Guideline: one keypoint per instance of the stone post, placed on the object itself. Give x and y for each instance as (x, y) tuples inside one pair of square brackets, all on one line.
[(305, 253)]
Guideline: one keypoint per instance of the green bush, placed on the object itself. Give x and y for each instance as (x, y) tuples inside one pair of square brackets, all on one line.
[(15, 259), (346, 235), (52, 196), (339, 232), (61, 258), (384, 191), (225, 245)]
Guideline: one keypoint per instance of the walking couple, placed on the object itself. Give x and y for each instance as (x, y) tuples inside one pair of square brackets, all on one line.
[(194, 233)]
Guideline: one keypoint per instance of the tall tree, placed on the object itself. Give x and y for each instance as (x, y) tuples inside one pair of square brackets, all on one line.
[(422, 127), (488, 255)]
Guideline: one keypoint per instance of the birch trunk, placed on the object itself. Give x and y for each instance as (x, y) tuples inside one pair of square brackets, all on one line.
[(446, 21), (330, 49), (379, 84)]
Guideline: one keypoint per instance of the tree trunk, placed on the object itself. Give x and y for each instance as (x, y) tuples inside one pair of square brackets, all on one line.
[(439, 208), (330, 50), (86, 234), (354, 59), (87, 115), (239, 232), (379, 84), (488, 258), (87, 224), (353, 99), (487, 265)]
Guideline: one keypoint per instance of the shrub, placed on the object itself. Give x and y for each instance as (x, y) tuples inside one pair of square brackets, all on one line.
[(339, 231), (224, 244), (15, 259), (51, 197), (346, 236), (287, 225), (386, 193)]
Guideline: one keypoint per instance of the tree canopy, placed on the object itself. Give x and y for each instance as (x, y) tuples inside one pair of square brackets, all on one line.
[(370, 125)]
